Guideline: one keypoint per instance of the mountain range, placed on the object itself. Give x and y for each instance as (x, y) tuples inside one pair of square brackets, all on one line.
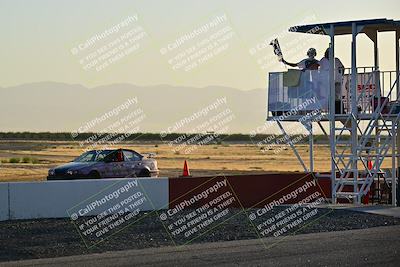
[(60, 107)]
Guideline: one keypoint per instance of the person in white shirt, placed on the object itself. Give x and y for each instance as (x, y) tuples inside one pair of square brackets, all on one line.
[(309, 63), (339, 72)]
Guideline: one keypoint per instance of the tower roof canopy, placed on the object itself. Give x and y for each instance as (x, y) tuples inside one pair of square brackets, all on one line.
[(345, 27)]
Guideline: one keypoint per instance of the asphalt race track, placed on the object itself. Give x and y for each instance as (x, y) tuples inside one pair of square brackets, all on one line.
[(377, 246)]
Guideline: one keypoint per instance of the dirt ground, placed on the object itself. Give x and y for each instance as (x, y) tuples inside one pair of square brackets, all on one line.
[(47, 238), (226, 158)]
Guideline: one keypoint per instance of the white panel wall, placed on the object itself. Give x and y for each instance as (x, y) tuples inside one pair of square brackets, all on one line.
[(52, 199), (4, 205)]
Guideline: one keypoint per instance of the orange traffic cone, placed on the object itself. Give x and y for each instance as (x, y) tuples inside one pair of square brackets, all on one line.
[(186, 172)]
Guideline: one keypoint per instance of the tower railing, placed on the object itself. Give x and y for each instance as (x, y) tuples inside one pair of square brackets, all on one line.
[(282, 98), (358, 161)]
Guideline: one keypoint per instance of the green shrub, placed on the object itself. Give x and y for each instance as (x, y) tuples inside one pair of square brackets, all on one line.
[(4, 161), (14, 160), (26, 159), (34, 161)]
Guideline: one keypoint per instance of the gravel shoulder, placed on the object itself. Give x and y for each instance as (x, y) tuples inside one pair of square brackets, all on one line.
[(48, 238)]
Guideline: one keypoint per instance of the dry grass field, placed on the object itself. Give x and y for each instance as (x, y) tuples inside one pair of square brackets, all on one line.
[(204, 160)]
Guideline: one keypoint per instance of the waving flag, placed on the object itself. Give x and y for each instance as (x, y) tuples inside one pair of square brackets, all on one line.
[(277, 48)]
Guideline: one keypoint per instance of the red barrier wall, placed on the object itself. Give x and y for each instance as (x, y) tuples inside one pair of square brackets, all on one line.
[(249, 190)]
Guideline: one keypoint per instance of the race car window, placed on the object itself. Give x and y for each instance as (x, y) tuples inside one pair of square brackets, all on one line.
[(102, 154), (86, 157), (131, 156), (114, 157)]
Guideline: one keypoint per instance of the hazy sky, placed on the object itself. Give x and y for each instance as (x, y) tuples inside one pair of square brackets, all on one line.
[(37, 38)]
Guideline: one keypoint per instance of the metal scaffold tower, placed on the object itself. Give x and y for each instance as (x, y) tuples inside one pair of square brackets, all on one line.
[(363, 123)]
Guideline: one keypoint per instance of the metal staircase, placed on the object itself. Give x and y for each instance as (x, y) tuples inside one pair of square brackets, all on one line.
[(355, 144)]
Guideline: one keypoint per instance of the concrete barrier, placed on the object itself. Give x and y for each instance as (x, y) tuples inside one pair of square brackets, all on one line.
[(58, 199), (4, 204)]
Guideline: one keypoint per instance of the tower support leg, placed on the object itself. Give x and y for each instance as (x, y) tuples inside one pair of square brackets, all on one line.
[(293, 147)]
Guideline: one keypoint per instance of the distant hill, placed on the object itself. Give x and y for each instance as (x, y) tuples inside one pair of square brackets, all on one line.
[(59, 107)]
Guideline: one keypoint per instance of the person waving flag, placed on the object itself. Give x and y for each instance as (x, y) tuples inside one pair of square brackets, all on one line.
[(277, 49)]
